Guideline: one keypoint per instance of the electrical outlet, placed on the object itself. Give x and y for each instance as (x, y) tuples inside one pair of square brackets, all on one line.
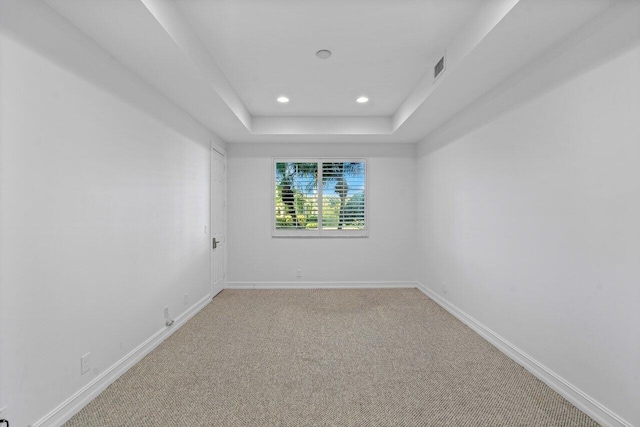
[(299, 274), (444, 288), (85, 363), (186, 299), (166, 313), (205, 230)]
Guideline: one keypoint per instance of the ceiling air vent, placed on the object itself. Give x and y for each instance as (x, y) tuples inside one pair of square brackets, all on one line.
[(438, 68)]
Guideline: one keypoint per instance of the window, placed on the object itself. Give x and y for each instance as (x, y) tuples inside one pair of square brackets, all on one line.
[(320, 198)]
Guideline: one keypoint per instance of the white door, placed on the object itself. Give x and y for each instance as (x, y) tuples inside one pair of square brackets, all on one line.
[(218, 222)]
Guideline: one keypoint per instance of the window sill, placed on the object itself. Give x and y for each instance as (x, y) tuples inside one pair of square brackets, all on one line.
[(315, 234)]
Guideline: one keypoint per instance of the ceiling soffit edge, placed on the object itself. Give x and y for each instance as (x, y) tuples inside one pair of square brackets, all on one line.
[(175, 24)]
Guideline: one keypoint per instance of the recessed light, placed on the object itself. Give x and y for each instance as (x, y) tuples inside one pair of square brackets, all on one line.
[(283, 99), (323, 53), (362, 100)]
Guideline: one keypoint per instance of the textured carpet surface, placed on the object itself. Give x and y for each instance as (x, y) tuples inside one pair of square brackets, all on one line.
[(335, 357)]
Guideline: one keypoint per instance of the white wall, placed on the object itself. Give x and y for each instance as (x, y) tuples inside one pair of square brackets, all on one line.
[(102, 218), (532, 223), (387, 255)]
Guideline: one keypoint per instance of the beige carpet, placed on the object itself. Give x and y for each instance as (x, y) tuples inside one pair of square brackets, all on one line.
[(371, 357)]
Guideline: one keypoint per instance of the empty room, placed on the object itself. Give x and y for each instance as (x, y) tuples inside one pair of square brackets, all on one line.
[(319, 213)]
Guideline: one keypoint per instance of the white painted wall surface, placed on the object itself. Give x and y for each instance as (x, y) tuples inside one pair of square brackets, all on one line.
[(532, 223), (387, 255), (102, 218)]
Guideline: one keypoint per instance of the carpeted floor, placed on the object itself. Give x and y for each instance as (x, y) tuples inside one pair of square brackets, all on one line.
[(369, 357)]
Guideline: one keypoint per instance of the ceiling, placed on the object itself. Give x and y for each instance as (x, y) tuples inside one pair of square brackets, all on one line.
[(379, 48), (226, 61)]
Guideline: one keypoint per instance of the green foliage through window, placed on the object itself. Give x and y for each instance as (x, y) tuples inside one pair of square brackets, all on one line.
[(320, 195)]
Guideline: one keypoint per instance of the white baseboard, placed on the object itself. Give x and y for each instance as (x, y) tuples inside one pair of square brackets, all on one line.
[(81, 398), (319, 285), (215, 291), (577, 397), (581, 400)]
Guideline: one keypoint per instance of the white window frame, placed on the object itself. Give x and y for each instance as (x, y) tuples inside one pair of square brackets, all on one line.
[(320, 232)]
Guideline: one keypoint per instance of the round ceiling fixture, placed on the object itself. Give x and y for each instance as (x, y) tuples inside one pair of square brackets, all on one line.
[(283, 99), (362, 100), (323, 53)]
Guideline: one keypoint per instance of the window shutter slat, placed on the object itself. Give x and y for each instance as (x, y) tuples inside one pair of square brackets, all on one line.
[(320, 196)]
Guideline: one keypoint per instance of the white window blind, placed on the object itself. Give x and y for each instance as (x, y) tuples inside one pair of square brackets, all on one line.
[(320, 198)]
